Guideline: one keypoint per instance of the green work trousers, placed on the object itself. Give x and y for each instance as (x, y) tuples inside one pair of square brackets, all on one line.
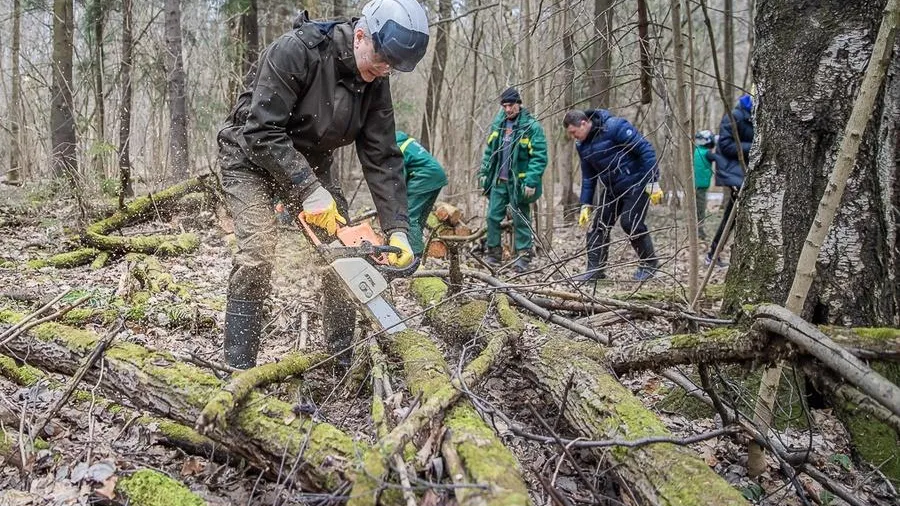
[(503, 194), (420, 204)]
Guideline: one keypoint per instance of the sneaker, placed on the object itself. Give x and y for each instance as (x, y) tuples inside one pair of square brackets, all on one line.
[(644, 272), (721, 264)]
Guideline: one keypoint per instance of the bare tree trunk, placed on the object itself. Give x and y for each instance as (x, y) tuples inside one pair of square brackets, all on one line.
[(339, 6), (126, 189), (569, 201), (250, 35), (644, 42), (175, 85), (683, 139), (472, 153), (728, 49), (15, 109), (62, 116), (97, 18), (601, 70), (844, 161), (436, 78)]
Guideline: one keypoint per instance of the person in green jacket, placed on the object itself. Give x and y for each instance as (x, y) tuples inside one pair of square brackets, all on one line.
[(424, 179), (511, 171), (704, 141)]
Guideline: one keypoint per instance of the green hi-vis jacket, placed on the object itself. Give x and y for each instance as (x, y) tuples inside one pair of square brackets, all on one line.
[(422, 172), (529, 155)]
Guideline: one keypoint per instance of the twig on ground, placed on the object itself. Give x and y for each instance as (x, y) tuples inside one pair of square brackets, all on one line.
[(24, 328), (29, 317)]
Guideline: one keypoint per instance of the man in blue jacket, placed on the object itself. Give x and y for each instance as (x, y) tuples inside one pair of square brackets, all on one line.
[(729, 171), (615, 154)]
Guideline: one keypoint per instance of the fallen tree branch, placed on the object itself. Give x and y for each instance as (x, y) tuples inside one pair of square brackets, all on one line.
[(220, 408), (74, 258), (264, 431), (97, 234), (9, 335), (781, 321), (33, 315)]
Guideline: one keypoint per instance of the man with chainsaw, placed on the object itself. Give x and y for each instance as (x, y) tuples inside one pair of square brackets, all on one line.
[(511, 176), (318, 87), (616, 155)]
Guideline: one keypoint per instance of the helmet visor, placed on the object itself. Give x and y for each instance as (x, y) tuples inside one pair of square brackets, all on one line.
[(400, 47)]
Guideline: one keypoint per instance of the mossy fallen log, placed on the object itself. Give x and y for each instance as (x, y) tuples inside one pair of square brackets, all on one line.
[(453, 323), (74, 258), (484, 458), (601, 408), (264, 432), (169, 432), (97, 234)]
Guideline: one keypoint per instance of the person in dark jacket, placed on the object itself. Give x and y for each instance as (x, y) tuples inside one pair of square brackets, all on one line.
[(511, 175), (316, 88), (424, 179), (731, 156), (614, 154)]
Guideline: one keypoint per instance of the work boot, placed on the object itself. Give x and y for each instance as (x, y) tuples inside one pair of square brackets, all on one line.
[(243, 324), (592, 274), (338, 320), (494, 256), (643, 246), (523, 263)]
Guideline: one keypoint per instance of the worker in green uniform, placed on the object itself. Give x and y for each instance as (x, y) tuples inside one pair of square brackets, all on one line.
[(511, 176), (424, 179)]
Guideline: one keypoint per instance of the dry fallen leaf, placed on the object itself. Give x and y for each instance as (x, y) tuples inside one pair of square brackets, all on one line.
[(108, 490), (192, 466)]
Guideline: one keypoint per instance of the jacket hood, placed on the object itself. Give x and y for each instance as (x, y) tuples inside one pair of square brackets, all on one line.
[(598, 119), (301, 18)]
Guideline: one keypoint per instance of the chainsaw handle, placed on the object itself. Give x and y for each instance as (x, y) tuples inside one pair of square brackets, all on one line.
[(391, 273)]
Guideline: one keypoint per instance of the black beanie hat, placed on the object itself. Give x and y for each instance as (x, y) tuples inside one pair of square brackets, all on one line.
[(511, 95)]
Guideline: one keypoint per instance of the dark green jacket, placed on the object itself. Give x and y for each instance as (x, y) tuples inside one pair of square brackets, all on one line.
[(422, 172), (304, 99), (529, 155)]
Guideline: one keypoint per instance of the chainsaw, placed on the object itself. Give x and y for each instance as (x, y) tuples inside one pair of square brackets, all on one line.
[(359, 258)]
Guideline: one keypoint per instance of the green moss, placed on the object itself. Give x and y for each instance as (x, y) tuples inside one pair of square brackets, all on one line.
[(23, 375), (876, 442), (485, 458), (76, 339), (424, 365), (100, 260), (175, 431), (152, 488), (756, 281), (40, 444), (718, 335), (879, 334), (74, 258), (78, 315), (428, 291)]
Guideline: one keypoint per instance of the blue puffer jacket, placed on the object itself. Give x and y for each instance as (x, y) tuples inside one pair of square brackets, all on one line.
[(616, 154), (728, 168)]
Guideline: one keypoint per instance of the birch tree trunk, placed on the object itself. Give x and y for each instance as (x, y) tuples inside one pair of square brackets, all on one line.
[(15, 109), (175, 87), (807, 81), (126, 189)]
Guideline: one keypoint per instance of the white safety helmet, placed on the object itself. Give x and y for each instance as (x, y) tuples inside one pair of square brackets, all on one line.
[(705, 138), (399, 30)]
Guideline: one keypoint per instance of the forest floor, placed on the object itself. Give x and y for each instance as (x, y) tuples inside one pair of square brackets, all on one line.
[(90, 444)]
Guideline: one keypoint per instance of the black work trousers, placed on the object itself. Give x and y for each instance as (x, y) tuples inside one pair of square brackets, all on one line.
[(630, 208)]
